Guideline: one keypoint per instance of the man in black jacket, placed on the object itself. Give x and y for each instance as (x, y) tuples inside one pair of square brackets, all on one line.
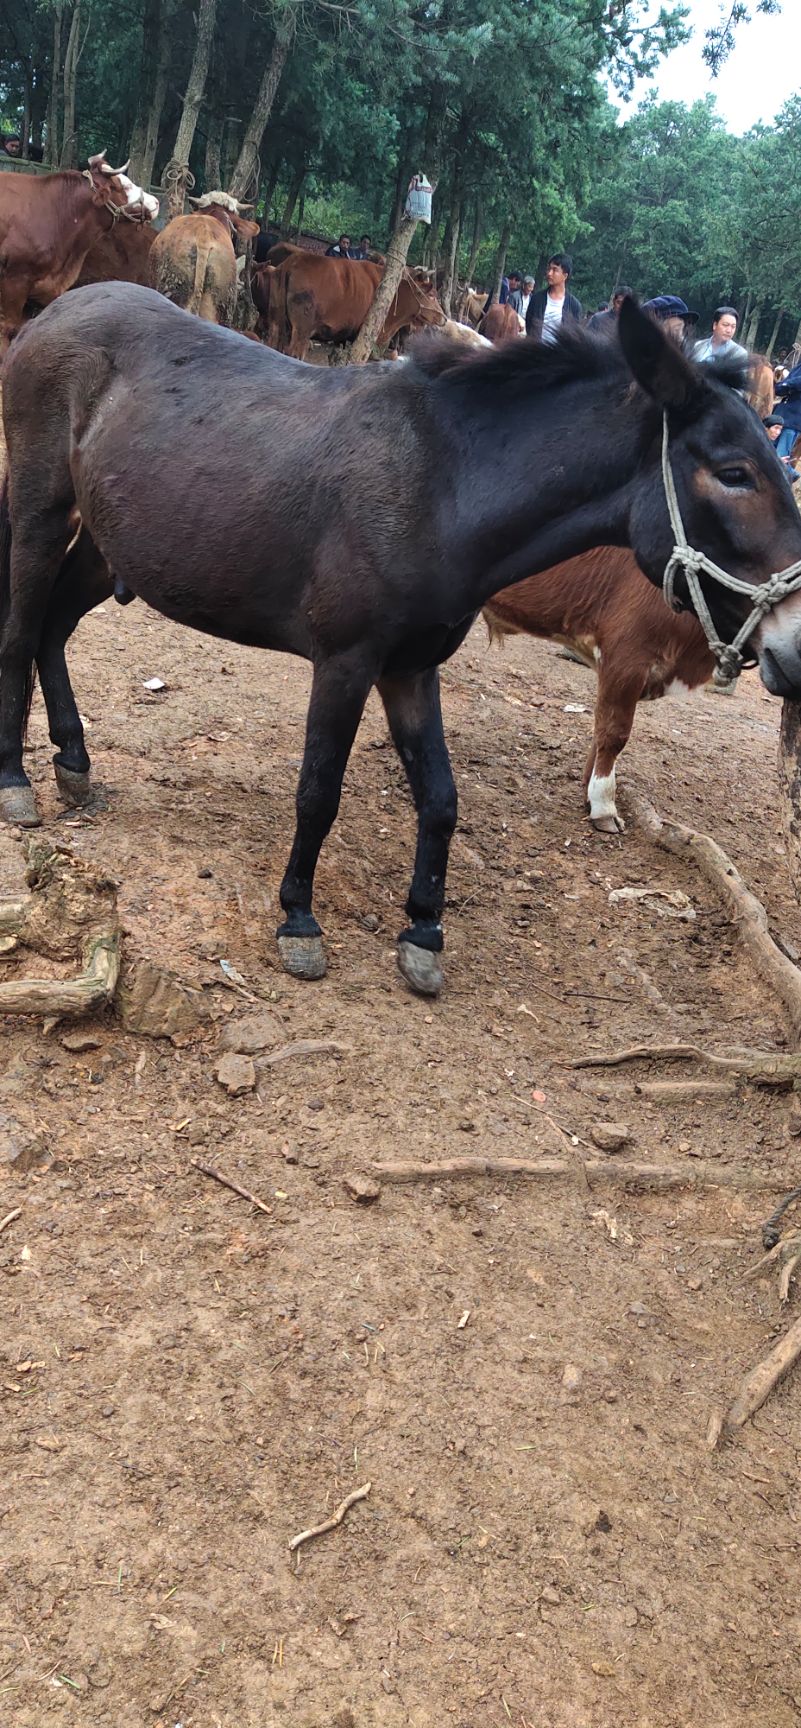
[(548, 308)]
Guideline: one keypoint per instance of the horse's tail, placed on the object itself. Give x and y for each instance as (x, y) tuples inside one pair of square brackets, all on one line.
[(5, 593)]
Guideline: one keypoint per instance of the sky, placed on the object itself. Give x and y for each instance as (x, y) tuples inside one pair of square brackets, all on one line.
[(755, 81)]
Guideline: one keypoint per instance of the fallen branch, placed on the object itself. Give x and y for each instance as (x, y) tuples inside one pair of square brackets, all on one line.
[(227, 1182), (9, 1218), (761, 1067), (335, 1519), (90, 989), (592, 1169), (747, 912), (683, 1091), (761, 1381), (304, 1047), (70, 902)]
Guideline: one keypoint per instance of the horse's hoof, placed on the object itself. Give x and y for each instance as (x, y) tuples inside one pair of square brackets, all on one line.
[(76, 790), (302, 956), (421, 969), (18, 805), (607, 824)]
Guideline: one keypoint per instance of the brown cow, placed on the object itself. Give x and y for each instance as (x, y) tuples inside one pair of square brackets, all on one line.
[(602, 608), (500, 323), (193, 262), (309, 295), (47, 226), (470, 307), (761, 384), (123, 255)]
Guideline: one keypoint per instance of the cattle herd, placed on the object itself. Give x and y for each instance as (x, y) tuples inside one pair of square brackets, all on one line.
[(69, 229)]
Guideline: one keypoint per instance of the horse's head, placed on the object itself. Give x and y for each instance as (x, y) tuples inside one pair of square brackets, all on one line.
[(732, 498)]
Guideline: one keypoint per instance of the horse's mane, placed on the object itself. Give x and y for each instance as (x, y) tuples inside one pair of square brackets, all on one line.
[(521, 365), (576, 356)]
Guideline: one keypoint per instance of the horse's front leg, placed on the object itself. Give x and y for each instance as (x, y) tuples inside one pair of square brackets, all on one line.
[(85, 583), (339, 691), (415, 721)]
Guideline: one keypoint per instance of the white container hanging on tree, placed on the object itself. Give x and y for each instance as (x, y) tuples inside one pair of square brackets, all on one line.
[(418, 199)]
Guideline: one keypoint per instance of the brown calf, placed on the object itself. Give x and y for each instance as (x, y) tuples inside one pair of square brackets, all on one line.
[(602, 608)]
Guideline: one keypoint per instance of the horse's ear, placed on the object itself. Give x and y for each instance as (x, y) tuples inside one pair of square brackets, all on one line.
[(656, 361)]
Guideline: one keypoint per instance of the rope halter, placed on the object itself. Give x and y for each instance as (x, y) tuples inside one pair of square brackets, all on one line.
[(729, 656)]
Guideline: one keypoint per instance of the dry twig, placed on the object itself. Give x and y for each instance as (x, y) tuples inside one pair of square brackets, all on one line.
[(758, 1385), (227, 1182), (9, 1218), (593, 1169), (335, 1519), (747, 912)]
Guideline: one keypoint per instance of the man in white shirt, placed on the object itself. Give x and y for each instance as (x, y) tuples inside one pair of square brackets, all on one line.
[(551, 305), (721, 344)]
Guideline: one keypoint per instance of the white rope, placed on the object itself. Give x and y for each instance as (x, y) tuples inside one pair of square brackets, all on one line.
[(728, 655)]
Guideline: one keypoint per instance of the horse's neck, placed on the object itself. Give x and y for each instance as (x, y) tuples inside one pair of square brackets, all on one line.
[(528, 501)]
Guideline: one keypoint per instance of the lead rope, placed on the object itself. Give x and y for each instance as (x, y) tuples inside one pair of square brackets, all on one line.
[(729, 657)]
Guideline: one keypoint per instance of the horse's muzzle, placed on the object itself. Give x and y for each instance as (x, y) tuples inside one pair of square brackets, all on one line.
[(780, 670)]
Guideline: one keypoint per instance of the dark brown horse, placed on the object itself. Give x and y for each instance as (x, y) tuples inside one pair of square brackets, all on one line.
[(362, 517)]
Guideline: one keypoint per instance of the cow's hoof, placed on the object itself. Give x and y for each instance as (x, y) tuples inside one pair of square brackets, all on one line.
[(76, 790), (18, 806), (607, 824), (302, 956), (421, 969)]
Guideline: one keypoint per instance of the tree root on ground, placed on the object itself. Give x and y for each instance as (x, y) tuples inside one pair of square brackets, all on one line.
[(71, 905), (624, 1171), (760, 1067)]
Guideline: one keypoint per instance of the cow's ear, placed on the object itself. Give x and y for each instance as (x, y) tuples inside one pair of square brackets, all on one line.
[(658, 364)]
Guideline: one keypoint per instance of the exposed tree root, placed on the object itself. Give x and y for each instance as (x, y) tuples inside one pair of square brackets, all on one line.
[(758, 1385), (71, 906), (748, 913), (761, 1067)]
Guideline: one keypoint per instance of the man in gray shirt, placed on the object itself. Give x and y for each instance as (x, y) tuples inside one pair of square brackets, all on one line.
[(721, 344)]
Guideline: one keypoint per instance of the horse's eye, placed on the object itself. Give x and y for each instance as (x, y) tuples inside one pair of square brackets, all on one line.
[(734, 476)]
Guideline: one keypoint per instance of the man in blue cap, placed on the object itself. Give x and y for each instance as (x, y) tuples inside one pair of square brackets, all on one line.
[(673, 313)]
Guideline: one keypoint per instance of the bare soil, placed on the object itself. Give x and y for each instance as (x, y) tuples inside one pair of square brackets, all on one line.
[(186, 1383)]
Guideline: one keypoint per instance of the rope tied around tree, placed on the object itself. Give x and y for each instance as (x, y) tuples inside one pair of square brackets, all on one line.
[(177, 179), (729, 656)]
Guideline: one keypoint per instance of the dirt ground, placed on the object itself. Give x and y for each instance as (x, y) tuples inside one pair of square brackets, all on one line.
[(523, 1371)]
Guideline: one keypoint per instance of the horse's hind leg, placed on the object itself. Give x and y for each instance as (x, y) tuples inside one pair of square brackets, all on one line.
[(339, 692), (85, 581), (415, 721)]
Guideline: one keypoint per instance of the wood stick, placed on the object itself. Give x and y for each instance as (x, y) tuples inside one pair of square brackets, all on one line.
[(332, 1522), (762, 1067), (695, 1175), (304, 1047), (684, 1091), (9, 1218), (227, 1182), (788, 1270), (758, 1385), (747, 912)]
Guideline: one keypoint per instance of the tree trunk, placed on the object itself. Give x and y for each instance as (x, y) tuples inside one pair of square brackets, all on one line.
[(500, 261), (52, 147), (244, 179), (397, 252), (69, 148), (750, 336), (790, 787), (451, 254), (475, 244), (212, 166), (268, 189), (26, 117), (297, 226), (161, 73), (177, 177), (402, 178), (295, 189), (774, 333)]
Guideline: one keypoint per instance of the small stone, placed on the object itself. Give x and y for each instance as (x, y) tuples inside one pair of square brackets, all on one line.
[(610, 1136), (361, 1188), (251, 1034), (24, 1152), (550, 1595), (236, 1073), (685, 1146), (630, 1617), (78, 1041), (694, 1284), (196, 1134), (571, 1377), (637, 1308), (370, 922)]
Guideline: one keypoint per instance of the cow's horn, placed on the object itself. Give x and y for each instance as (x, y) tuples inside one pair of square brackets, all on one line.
[(123, 169), (241, 207)]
